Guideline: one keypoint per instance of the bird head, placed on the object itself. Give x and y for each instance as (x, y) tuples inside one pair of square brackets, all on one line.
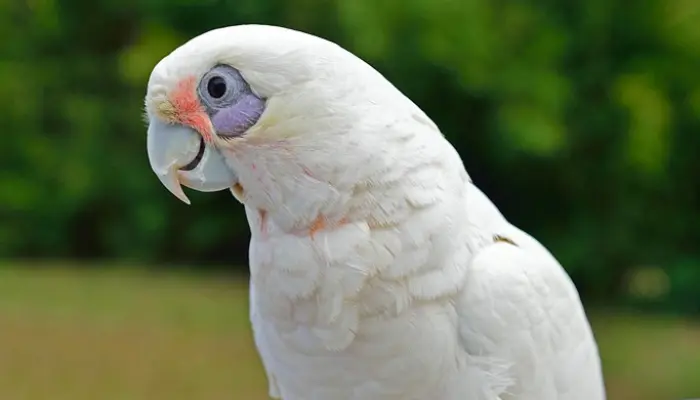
[(290, 122)]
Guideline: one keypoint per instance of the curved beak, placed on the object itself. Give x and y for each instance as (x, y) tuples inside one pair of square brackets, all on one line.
[(178, 156)]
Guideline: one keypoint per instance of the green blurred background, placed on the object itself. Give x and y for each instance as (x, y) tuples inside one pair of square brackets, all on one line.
[(580, 119)]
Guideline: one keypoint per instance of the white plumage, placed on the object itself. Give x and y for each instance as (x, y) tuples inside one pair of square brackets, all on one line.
[(378, 269)]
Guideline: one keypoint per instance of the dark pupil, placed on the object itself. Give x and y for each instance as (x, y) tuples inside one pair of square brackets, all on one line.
[(216, 87)]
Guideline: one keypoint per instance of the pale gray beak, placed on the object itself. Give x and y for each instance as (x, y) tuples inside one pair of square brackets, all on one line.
[(179, 156)]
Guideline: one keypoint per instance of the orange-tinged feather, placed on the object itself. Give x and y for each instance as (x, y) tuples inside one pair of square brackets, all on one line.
[(188, 109)]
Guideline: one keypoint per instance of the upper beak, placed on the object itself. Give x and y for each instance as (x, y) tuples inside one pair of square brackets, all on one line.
[(178, 155)]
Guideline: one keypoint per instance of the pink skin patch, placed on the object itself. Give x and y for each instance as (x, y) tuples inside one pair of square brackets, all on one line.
[(188, 109)]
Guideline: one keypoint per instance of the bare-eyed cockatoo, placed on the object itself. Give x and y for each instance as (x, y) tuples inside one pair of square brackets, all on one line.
[(378, 269)]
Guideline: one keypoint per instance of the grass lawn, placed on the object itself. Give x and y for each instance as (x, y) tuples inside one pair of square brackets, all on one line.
[(129, 335)]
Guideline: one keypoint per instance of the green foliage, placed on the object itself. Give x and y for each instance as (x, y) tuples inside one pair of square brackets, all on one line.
[(580, 119)]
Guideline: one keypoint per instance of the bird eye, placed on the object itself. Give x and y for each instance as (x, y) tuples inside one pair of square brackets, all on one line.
[(216, 87), (228, 101), (220, 87)]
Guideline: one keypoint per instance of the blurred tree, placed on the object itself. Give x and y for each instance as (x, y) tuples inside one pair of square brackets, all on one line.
[(580, 119)]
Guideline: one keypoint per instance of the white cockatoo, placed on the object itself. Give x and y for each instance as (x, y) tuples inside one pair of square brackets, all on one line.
[(378, 269)]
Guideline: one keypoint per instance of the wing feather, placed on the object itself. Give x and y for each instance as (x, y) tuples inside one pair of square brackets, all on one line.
[(519, 307), (262, 346)]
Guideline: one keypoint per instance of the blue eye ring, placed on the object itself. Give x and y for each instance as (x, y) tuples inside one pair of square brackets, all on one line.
[(221, 87)]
